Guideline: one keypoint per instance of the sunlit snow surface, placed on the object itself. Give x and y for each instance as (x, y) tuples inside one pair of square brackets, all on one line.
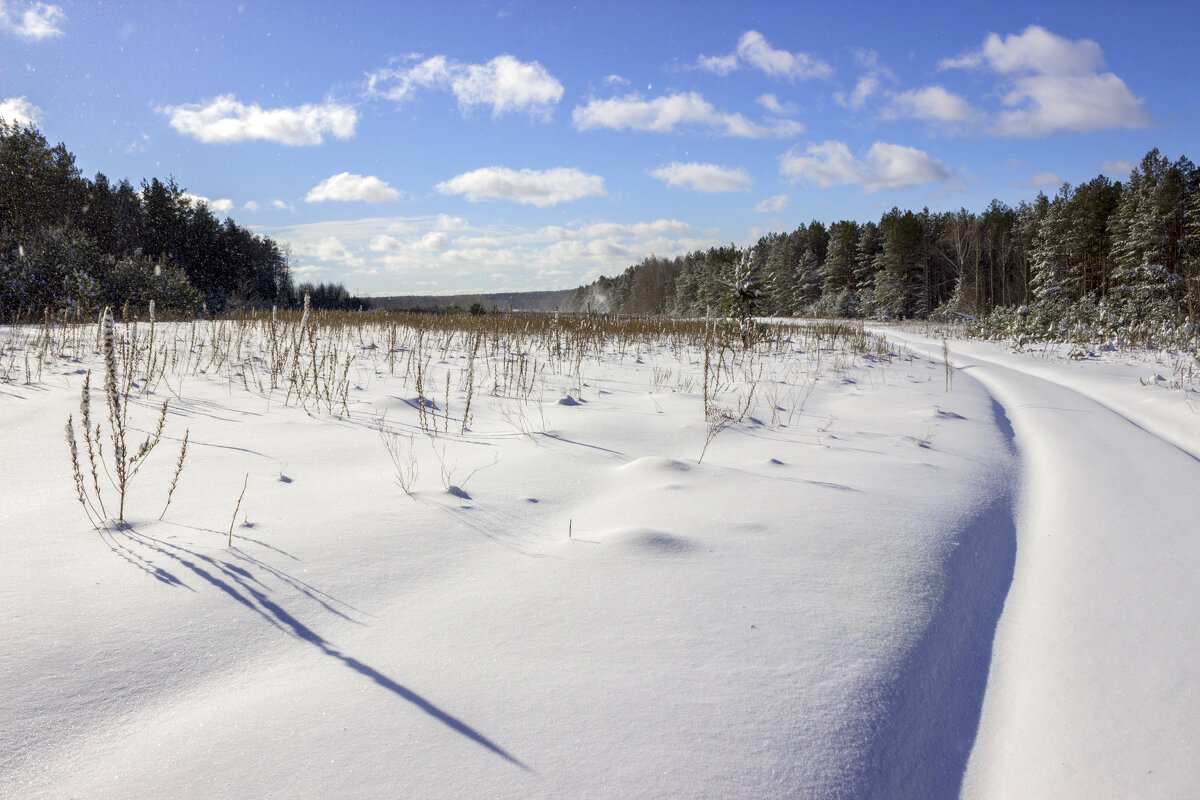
[(872, 585)]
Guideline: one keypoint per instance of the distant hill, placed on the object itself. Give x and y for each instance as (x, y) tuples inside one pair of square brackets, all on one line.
[(503, 301)]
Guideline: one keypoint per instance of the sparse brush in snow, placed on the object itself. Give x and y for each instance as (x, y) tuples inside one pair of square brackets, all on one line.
[(178, 469), (304, 316), (456, 488), (80, 491), (124, 466), (404, 462), (948, 363), (236, 507)]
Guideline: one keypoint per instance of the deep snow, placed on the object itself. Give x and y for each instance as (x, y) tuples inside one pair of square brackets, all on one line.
[(1092, 691), (873, 588)]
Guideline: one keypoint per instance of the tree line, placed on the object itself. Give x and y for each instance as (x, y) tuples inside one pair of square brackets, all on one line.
[(67, 241), (1120, 250)]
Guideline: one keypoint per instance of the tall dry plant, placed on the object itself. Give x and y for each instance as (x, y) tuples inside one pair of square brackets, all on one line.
[(121, 466)]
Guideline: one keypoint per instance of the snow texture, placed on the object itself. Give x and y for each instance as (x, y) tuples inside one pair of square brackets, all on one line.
[(821, 608)]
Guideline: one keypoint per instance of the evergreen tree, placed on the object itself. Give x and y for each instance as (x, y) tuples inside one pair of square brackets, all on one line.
[(898, 264), (962, 241), (1148, 233), (783, 260), (1191, 252), (840, 257), (40, 186), (866, 265), (68, 240), (999, 251), (810, 272)]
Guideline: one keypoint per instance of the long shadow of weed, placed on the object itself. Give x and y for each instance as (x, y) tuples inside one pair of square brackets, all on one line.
[(242, 586)]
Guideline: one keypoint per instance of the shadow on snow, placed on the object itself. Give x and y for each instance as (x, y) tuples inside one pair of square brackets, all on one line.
[(241, 585), (923, 740)]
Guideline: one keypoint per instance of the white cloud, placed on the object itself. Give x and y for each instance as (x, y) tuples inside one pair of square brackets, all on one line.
[(445, 222), (1053, 84), (886, 166), (383, 243), (326, 248), (772, 205), (722, 65), (434, 240), (1042, 179), (666, 113), (704, 177), (1033, 50), (428, 243), (771, 103), (348, 186), (931, 103), (754, 51), (279, 205), (868, 84), (220, 206), (19, 111), (615, 80), (616, 230), (507, 84), (1120, 167), (223, 119), (541, 188), (400, 84), (1051, 103), (38, 21), (253, 206), (411, 249), (504, 83)]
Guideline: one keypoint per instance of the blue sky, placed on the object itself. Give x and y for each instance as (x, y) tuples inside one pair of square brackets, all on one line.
[(488, 146)]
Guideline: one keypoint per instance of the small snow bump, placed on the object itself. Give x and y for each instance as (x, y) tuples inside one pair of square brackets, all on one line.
[(655, 464), (650, 541)]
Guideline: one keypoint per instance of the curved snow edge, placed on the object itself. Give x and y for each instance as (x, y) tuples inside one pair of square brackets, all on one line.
[(932, 709), (1123, 400)]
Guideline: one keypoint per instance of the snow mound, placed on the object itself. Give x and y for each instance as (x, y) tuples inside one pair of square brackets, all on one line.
[(655, 464), (650, 541)]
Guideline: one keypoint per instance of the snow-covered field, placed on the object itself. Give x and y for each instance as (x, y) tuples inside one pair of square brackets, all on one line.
[(885, 578)]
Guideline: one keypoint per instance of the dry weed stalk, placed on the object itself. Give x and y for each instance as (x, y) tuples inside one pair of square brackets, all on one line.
[(949, 365), (235, 509), (125, 466), (178, 470), (458, 489), (403, 462)]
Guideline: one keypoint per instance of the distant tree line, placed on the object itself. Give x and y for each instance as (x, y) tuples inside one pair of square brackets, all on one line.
[(70, 242), (332, 296), (1126, 250)]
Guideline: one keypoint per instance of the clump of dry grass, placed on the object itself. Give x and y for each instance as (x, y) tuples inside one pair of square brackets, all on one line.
[(404, 460), (314, 359), (122, 466)]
